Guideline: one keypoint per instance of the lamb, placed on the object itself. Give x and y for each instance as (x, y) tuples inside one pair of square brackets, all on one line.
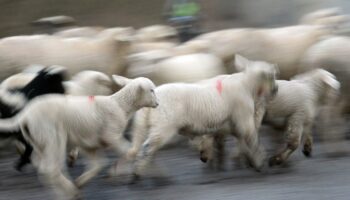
[(77, 54), (52, 123), (46, 81), (297, 102), (283, 46), (84, 83), (162, 67), (331, 55), (203, 108)]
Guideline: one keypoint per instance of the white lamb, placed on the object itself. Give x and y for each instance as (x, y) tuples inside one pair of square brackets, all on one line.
[(162, 67), (298, 102), (204, 108), (53, 122), (331, 54), (283, 46), (77, 54)]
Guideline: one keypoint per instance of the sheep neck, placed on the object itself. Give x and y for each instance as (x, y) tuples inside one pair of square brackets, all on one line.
[(127, 100)]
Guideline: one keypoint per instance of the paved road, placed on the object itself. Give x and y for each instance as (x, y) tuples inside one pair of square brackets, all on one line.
[(187, 178)]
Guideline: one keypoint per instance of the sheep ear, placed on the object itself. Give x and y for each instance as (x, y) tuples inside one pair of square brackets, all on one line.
[(241, 63), (120, 80), (332, 82)]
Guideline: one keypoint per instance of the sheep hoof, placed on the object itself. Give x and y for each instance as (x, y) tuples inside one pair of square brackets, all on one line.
[(20, 164), (275, 160), (135, 179), (71, 163), (77, 197), (307, 151), (203, 159)]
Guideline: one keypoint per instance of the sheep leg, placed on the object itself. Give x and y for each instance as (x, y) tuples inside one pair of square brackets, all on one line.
[(249, 142), (138, 137), (153, 143), (96, 163), (219, 143), (307, 149), (62, 183), (51, 164), (294, 133), (25, 157), (120, 146), (259, 113)]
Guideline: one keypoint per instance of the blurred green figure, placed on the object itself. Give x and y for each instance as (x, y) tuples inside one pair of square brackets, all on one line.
[(184, 15), (185, 8)]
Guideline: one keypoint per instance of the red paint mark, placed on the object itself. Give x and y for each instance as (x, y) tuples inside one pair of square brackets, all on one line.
[(219, 86), (91, 98)]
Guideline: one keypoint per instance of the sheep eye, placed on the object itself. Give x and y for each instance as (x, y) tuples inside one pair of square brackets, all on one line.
[(152, 90)]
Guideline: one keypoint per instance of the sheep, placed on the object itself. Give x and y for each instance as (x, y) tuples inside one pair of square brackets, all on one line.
[(203, 108), (331, 54), (46, 81), (161, 67), (83, 83), (53, 123), (283, 46), (297, 102), (77, 54)]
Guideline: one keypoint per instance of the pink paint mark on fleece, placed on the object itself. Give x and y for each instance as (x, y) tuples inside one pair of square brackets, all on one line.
[(219, 86), (91, 98)]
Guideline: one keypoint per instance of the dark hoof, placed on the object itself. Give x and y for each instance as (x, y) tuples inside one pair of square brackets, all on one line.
[(135, 179), (71, 163), (204, 160), (307, 152), (275, 160), (20, 164)]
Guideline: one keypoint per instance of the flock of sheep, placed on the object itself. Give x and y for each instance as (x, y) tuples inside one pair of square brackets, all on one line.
[(146, 84)]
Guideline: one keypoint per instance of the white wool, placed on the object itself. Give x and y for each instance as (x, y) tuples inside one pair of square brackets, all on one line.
[(299, 102), (100, 54), (202, 108), (282, 46), (162, 67), (50, 123)]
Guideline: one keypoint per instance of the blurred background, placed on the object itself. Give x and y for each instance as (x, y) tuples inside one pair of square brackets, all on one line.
[(16, 16)]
